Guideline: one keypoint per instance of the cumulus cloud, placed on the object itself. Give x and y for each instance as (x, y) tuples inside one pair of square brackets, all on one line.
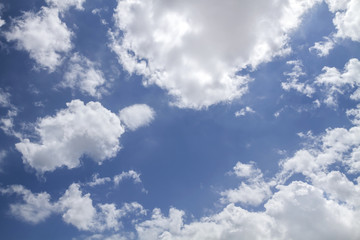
[(85, 75), (80, 129), (43, 35), (66, 4), (337, 82), (323, 48), (136, 116), (98, 181), (244, 111), (253, 191), (346, 22), (7, 122), (75, 207), (293, 79), (35, 207), (124, 175), (323, 206), (195, 57)]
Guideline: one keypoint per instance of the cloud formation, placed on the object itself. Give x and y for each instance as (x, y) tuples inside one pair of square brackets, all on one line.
[(43, 35), (85, 75), (194, 56), (136, 116), (80, 129)]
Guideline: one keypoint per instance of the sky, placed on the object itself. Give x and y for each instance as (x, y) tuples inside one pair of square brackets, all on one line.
[(172, 120)]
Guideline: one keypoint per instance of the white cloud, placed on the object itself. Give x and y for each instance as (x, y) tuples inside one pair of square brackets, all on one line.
[(136, 116), (63, 5), (183, 49), (84, 74), (4, 98), (43, 35), (354, 114), (337, 82), (78, 130), (98, 181), (347, 22), (244, 111), (78, 208), (323, 48), (293, 79), (35, 207), (75, 207), (7, 122), (129, 174), (253, 191), (2, 22)]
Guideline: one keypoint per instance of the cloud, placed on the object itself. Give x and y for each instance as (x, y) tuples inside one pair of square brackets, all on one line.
[(293, 79), (43, 35), (35, 207), (98, 181), (85, 75), (253, 191), (3, 154), (323, 48), (195, 57), (75, 207), (7, 122), (130, 174), (244, 111), (136, 116), (63, 5), (347, 22), (2, 22), (117, 179), (336, 82), (80, 129)]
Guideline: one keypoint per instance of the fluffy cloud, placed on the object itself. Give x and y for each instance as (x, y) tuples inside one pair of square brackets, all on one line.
[(323, 48), (293, 79), (83, 74), (75, 207), (78, 130), (336, 81), (66, 4), (136, 116), (130, 174), (183, 49), (35, 207), (253, 191), (347, 22), (43, 35)]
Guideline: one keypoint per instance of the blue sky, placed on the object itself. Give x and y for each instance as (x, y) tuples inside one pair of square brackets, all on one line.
[(157, 119)]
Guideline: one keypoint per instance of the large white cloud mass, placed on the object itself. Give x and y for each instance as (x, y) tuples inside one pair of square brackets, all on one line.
[(43, 35), (78, 130), (194, 49)]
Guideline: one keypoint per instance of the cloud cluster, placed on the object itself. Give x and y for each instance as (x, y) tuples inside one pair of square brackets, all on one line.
[(346, 22), (131, 174), (79, 130), (244, 111), (83, 74), (292, 81), (75, 208), (336, 82), (182, 48), (43, 35)]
